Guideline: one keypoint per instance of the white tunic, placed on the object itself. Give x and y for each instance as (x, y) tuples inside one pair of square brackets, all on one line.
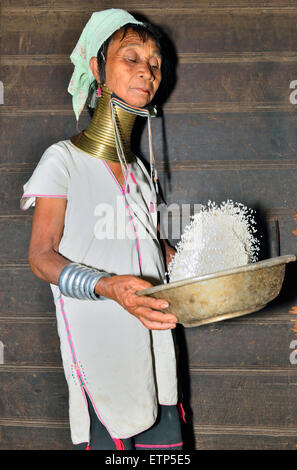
[(125, 369)]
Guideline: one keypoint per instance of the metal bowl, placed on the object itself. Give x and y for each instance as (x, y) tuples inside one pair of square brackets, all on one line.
[(224, 294)]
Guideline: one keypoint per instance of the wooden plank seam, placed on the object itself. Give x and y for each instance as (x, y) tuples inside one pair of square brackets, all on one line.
[(293, 311)]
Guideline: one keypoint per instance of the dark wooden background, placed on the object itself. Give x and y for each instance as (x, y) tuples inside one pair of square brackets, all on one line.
[(229, 131)]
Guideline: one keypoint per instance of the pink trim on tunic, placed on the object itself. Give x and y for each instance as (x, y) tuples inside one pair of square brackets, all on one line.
[(137, 244), (160, 446), (119, 444)]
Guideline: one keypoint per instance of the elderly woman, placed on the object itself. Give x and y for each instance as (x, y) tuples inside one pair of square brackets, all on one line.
[(95, 240)]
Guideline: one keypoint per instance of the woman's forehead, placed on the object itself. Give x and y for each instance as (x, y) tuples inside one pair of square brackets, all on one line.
[(132, 38)]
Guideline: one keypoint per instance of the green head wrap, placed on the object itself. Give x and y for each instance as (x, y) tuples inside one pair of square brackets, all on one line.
[(100, 27)]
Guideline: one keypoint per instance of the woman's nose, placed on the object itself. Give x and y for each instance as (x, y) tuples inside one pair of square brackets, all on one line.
[(145, 71)]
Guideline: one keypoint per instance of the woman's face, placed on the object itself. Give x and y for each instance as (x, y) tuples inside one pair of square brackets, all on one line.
[(133, 68)]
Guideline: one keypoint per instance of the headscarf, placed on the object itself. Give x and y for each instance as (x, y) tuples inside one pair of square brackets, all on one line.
[(98, 29)]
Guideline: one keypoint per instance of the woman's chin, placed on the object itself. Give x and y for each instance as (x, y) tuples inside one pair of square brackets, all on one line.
[(139, 104)]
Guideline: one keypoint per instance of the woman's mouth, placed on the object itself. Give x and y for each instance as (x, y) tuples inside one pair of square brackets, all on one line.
[(142, 90)]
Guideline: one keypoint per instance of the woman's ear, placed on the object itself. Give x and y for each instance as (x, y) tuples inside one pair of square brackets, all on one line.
[(94, 67)]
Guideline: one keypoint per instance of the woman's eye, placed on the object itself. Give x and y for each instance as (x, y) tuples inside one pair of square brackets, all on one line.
[(131, 60)]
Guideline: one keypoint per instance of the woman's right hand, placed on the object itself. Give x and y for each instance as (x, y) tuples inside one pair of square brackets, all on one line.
[(123, 290)]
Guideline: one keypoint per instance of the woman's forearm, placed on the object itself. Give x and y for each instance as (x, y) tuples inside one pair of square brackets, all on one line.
[(47, 265)]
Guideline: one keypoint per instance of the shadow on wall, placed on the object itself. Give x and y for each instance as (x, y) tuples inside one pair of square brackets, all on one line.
[(268, 234), (169, 78), (184, 387), (168, 83)]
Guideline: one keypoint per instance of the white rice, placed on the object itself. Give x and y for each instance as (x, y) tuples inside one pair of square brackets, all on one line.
[(217, 238)]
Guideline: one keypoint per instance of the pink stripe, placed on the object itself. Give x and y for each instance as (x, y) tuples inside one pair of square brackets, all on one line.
[(126, 177), (119, 444), (181, 412), (79, 374), (44, 195), (68, 330), (159, 446), (133, 178), (137, 244)]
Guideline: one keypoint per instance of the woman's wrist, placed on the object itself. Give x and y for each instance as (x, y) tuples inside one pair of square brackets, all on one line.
[(102, 288)]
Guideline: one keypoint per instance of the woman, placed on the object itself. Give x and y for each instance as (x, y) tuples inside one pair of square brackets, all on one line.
[(117, 348)]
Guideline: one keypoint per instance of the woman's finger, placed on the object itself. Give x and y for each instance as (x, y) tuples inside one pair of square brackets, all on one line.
[(154, 325), (156, 316), (150, 302)]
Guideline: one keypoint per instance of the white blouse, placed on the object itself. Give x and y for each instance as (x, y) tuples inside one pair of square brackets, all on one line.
[(125, 369)]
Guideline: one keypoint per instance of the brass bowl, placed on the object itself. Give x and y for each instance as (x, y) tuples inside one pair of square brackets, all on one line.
[(224, 294)]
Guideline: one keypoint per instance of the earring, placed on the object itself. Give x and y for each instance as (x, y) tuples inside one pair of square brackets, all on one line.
[(153, 110), (99, 92)]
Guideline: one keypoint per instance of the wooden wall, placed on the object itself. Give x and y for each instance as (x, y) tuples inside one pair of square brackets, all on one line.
[(231, 133)]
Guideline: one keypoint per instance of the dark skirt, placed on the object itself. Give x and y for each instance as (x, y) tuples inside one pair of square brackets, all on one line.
[(164, 434)]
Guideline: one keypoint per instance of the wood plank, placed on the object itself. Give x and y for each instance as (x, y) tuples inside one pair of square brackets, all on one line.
[(209, 137), (217, 399), (14, 239), (34, 394), (252, 188), (22, 143), (15, 230), (169, 108), (140, 12), (250, 84), (191, 138), (25, 437), (21, 292), (233, 83), (273, 431), (232, 165), (232, 344), (288, 234), (11, 191), (236, 441), (30, 341), (183, 58), (41, 31), (166, 4), (34, 341), (187, 165), (43, 438), (35, 298), (244, 400), (34, 438)]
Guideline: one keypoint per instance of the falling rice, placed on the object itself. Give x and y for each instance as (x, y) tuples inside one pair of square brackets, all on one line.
[(217, 238)]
